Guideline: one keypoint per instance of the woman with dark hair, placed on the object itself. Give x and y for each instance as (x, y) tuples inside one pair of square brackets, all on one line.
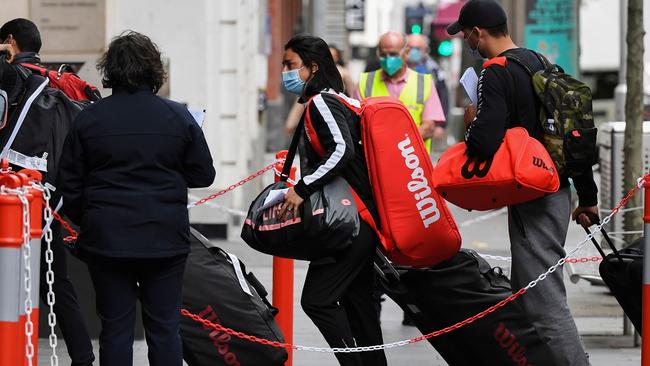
[(337, 294), (125, 169)]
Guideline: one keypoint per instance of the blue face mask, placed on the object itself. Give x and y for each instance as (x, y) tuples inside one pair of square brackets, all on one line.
[(391, 64), (474, 52), (292, 81), (415, 55)]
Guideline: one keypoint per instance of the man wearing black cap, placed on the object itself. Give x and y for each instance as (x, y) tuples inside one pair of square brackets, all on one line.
[(538, 228)]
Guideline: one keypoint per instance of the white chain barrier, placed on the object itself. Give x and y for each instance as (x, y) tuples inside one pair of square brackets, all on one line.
[(49, 278), (530, 285), (623, 209), (226, 209)]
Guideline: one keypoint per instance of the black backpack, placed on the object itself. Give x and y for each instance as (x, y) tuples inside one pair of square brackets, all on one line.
[(38, 124)]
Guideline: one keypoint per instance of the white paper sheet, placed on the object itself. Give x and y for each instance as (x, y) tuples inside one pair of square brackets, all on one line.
[(275, 196), (199, 116), (469, 80)]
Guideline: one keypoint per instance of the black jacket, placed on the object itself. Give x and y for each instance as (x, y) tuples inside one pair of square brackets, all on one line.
[(124, 173), (338, 130), (506, 98)]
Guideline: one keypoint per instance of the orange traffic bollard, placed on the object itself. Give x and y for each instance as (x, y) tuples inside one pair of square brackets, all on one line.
[(283, 277), (645, 333), (11, 240)]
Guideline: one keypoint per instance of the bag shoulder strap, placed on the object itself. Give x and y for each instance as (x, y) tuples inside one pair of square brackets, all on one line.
[(35, 68), (293, 148)]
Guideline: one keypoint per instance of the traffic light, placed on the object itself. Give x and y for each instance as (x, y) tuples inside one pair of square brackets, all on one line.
[(414, 19), (445, 48)]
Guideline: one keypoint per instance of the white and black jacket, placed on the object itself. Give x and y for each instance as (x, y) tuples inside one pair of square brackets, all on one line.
[(332, 147)]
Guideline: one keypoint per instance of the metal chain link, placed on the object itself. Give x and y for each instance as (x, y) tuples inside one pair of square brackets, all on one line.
[(49, 259), (232, 211), (27, 253), (448, 329), (73, 233), (234, 186)]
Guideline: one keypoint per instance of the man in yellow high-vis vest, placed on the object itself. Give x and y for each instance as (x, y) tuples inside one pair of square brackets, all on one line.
[(417, 91)]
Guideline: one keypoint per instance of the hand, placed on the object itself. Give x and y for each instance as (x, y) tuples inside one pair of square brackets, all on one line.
[(5, 47), (291, 204), (586, 216), (470, 114), (427, 129), (439, 133)]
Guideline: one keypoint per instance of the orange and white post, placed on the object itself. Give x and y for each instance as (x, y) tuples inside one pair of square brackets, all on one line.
[(11, 241), (283, 277)]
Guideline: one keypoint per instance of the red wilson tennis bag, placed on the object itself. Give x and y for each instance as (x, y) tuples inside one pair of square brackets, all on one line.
[(416, 227), (327, 221), (520, 171)]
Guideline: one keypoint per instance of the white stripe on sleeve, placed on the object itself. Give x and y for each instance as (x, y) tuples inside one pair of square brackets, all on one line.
[(336, 135)]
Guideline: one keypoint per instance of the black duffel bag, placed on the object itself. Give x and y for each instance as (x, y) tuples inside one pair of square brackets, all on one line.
[(438, 297), (327, 221), (217, 288), (622, 272)]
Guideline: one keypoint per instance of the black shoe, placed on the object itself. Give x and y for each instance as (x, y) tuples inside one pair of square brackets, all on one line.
[(407, 321)]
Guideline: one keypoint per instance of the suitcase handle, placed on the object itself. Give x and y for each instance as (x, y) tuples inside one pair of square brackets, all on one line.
[(385, 269), (596, 220)]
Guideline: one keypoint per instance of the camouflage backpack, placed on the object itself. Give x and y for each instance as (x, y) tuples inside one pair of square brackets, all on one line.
[(566, 116)]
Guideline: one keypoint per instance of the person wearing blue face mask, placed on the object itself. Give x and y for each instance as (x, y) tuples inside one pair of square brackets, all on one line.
[(337, 294), (420, 61), (538, 228), (417, 91)]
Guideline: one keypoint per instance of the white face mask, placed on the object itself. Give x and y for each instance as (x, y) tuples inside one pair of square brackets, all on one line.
[(474, 52)]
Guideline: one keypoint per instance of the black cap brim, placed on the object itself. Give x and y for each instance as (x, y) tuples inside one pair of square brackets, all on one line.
[(454, 28)]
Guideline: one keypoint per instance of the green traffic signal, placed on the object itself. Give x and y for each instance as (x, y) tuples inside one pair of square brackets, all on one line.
[(445, 48), (416, 29)]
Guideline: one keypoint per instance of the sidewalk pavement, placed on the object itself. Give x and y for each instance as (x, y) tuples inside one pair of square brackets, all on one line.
[(598, 316)]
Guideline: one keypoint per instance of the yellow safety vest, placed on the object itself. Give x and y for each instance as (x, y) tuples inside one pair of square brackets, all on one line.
[(415, 93)]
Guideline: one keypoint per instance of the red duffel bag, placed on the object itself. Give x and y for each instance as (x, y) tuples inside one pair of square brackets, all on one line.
[(520, 171), (416, 227)]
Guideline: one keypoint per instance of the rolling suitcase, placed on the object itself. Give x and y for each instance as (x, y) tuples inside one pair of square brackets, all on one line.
[(217, 288), (622, 272), (457, 289)]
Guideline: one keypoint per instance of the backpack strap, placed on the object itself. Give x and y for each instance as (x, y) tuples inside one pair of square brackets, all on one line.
[(366, 216), (291, 154), (309, 127), (35, 68), (502, 61)]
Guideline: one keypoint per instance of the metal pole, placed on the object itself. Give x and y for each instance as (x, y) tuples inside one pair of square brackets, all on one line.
[(645, 336), (621, 88), (283, 280)]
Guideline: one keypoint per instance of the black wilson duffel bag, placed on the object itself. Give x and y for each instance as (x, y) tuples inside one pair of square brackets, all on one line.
[(217, 288), (454, 290), (326, 222)]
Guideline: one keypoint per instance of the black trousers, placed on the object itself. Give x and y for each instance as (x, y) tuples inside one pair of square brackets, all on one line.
[(157, 283), (337, 296), (68, 313)]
